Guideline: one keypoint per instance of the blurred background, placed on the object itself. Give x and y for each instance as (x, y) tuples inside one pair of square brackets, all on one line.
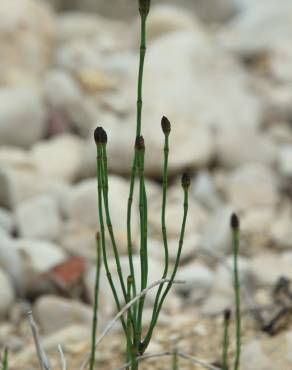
[(221, 71)]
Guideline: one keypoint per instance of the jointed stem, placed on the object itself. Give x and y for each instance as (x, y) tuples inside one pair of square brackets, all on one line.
[(140, 75), (102, 231), (143, 242), (225, 339), (129, 234), (169, 285), (235, 243), (163, 224), (95, 304)]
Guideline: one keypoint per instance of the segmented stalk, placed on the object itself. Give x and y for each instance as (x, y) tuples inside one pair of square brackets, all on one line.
[(5, 359), (225, 346), (185, 184), (165, 124), (102, 231), (95, 304), (140, 148), (235, 245)]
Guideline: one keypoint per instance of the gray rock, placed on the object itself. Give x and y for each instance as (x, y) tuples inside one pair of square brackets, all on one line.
[(252, 185), (216, 237), (285, 160), (267, 268), (65, 96), (31, 51), (269, 20), (54, 313), (18, 105), (38, 255), (199, 279), (10, 262), (7, 294), (254, 357), (281, 229), (231, 148), (79, 240), (59, 157), (39, 218), (204, 190), (7, 221)]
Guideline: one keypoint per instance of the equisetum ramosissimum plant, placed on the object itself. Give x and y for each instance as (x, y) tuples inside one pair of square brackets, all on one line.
[(132, 325), (131, 306)]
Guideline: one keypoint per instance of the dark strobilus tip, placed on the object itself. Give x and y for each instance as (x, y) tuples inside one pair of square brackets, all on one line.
[(185, 180), (227, 314), (165, 125), (139, 143), (100, 136), (234, 222), (144, 7)]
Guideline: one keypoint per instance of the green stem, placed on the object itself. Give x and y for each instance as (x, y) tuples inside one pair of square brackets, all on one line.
[(104, 170), (140, 74), (235, 243), (169, 285), (129, 232), (95, 305), (108, 219), (225, 340), (102, 230), (5, 359), (163, 223), (174, 360), (143, 242), (130, 331)]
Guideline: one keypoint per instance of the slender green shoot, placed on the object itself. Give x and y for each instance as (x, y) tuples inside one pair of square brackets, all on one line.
[(166, 128), (5, 359), (98, 133), (226, 322), (174, 362), (235, 244), (185, 186), (95, 303)]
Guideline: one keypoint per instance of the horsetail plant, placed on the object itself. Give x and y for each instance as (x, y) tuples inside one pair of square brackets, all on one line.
[(225, 345), (132, 325), (235, 227), (5, 359)]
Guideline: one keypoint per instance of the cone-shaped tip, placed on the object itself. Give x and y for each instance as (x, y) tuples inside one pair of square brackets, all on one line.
[(100, 136), (227, 314), (234, 222), (139, 143), (144, 7), (185, 180), (130, 279), (97, 235), (165, 125)]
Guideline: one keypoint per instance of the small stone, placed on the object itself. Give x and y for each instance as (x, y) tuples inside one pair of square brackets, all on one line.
[(199, 279), (216, 236), (54, 313), (18, 105), (231, 147), (7, 294), (252, 185), (285, 160), (39, 218), (47, 154), (7, 221), (267, 268), (204, 190), (38, 255), (254, 357)]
